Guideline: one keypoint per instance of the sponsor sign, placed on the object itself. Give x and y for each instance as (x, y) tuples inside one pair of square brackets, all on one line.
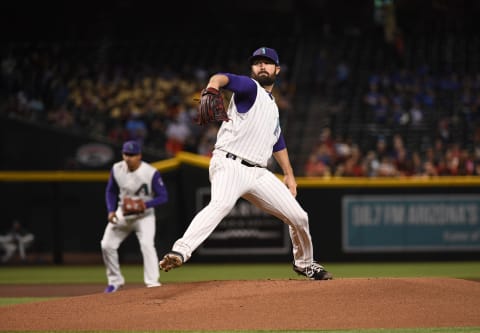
[(245, 230), (94, 154), (410, 223)]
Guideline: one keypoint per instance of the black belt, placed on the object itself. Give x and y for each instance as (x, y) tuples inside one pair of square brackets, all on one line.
[(234, 157)]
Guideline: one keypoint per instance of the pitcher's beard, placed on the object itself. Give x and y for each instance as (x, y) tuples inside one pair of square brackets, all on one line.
[(265, 80)]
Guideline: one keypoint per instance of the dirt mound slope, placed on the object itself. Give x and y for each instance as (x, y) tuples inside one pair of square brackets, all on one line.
[(259, 305)]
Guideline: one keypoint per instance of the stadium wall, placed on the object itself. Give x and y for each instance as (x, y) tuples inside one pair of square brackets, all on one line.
[(350, 219)]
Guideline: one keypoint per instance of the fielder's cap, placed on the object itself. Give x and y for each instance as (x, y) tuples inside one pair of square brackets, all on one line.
[(131, 147), (265, 52)]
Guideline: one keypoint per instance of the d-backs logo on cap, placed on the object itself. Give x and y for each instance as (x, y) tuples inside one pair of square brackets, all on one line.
[(265, 52), (131, 147)]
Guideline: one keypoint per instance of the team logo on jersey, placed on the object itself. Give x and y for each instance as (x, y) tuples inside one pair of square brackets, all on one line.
[(142, 190), (277, 128)]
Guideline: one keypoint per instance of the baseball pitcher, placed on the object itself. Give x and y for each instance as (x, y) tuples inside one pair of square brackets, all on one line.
[(250, 133)]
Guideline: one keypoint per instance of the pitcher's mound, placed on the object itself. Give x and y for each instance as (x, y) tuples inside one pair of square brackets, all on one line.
[(261, 305)]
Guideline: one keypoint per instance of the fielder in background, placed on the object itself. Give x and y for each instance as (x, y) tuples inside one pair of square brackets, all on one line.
[(133, 190), (18, 238), (250, 133)]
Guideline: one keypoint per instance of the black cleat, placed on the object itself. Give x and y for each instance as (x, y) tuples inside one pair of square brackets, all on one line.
[(314, 272), (171, 260)]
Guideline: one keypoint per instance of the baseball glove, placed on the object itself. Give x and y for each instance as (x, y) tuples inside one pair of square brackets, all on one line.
[(132, 206), (211, 108)]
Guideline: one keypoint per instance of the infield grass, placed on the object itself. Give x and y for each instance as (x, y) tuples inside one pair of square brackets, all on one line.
[(204, 272)]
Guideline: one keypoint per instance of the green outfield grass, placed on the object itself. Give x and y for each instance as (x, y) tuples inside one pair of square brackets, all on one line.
[(204, 272), (20, 300)]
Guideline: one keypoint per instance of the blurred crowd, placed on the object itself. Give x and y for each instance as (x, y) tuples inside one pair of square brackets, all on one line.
[(113, 101), (389, 158), (421, 123)]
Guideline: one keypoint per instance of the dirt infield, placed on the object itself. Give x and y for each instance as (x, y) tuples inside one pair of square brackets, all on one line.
[(250, 305)]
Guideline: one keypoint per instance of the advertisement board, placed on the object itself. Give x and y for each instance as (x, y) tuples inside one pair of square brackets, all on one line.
[(427, 222), (245, 230)]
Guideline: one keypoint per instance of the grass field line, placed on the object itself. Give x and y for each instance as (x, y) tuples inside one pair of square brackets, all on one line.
[(245, 271)]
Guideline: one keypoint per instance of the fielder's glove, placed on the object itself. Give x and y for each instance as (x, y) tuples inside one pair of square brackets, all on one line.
[(211, 108), (132, 206)]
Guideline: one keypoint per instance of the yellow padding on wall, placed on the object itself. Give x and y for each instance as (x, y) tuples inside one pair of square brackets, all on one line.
[(203, 161)]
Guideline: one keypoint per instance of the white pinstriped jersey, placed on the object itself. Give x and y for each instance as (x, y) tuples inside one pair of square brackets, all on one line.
[(136, 184), (251, 135)]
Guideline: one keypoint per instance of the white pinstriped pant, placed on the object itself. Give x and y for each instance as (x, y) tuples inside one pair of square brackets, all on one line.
[(231, 180), (115, 234)]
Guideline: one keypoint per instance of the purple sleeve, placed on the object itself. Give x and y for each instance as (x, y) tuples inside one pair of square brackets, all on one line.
[(245, 91), (161, 195), (111, 193), (280, 144)]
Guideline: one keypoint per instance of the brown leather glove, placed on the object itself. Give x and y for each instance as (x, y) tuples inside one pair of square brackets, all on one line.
[(132, 206), (211, 107)]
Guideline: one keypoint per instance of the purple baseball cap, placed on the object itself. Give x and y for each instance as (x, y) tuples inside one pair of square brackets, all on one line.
[(131, 147), (265, 52)]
